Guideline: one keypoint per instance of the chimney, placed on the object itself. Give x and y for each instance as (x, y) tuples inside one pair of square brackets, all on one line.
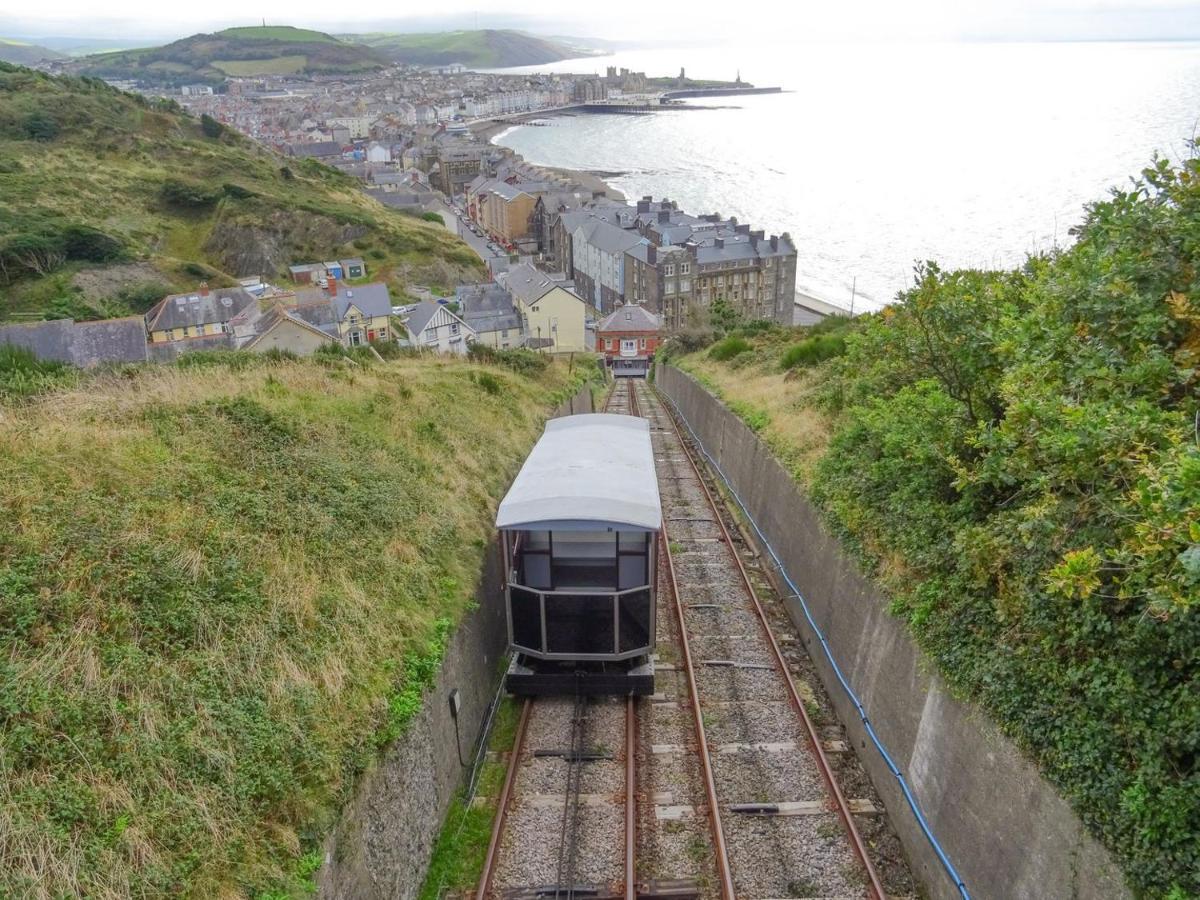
[(719, 243), (648, 197), (643, 206), (204, 289), (756, 236), (733, 221), (741, 229), (332, 286), (774, 243), (664, 215), (652, 255)]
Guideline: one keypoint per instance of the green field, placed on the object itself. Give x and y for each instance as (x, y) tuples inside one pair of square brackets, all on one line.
[(280, 65), (277, 33)]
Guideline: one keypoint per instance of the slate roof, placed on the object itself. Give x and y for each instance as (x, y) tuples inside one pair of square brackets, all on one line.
[(610, 238), (630, 317), (528, 284), (194, 308), (487, 308), (372, 299), (83, 344), (318, 150)]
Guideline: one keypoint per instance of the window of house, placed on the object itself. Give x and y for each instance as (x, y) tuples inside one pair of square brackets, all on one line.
[(503, 332), (767, 263), (669, 269), (454, 328), (685, 268), (353, 319), (186, 331), (685, 285), (642, 343)]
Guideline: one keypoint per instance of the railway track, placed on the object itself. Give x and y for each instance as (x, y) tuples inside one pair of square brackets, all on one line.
[(779, 825), (567, 814), (716, 786)]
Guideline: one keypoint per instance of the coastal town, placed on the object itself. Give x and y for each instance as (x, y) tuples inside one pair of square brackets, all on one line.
[(566, 256)]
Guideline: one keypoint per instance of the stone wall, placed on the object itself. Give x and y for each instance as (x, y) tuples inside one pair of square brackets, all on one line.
[(380, 847), (1005, 829)]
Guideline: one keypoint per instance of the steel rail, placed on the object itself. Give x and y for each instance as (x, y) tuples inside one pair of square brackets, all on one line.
[(630, 796), (724, 871), (839, 799), (514, 760)]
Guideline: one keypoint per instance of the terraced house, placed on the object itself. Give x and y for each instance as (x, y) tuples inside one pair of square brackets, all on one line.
[(196, 316)]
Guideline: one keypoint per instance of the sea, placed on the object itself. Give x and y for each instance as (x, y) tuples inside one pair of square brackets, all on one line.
[(878, 156)]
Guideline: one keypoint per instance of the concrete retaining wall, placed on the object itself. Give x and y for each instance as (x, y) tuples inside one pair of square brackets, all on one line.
[(1006, 830), (380, 848)]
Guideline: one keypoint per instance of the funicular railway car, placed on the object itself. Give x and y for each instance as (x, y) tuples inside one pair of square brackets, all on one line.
[(579, 530)]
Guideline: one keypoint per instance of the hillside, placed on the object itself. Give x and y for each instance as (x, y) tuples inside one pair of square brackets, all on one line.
[(223, 587), (25, 54), (1015, 456), (108, 199), (270, 50), (484, 49)]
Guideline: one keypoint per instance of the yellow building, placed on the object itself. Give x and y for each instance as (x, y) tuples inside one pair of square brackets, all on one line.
[(202, 314), (552, 316), (362, 312), (506, 212)]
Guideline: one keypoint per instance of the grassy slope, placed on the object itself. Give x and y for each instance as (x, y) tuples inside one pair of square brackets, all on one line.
[(484, 48), (107, 168), (781, 404), (220, 589), (192, 58)]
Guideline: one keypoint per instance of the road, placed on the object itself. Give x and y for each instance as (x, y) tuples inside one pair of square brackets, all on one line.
[(475, 242)]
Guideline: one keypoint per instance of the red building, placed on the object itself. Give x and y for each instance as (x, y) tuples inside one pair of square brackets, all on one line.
[(628, 338)]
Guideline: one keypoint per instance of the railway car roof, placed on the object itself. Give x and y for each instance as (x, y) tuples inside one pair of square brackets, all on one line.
[(586, 472)]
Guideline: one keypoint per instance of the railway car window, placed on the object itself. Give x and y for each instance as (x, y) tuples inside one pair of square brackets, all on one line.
[(526, 618), (635, 620), (579, 623)]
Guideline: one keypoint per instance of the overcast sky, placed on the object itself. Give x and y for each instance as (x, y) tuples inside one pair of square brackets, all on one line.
[(636, 20)]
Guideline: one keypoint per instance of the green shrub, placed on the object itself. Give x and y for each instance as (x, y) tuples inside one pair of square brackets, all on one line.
[(1015, 454), (210, 126), (728, 348), (432, 217), (519, 359), (23, 375), (813, 350), (188, 194)]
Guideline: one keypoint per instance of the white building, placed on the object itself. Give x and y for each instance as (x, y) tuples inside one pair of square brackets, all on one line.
[(378, 153), (432, 326)]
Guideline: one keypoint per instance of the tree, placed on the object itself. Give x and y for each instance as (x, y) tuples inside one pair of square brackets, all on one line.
[(40, 127), (210, 126)]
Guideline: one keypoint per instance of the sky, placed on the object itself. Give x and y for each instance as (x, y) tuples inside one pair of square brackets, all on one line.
[(636, 21)]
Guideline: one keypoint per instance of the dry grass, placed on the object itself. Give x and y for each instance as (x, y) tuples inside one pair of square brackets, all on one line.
[(788, 417), (214, 585)]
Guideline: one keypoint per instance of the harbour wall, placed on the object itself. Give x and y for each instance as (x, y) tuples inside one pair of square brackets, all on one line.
[(1002, 826), (380, 847)]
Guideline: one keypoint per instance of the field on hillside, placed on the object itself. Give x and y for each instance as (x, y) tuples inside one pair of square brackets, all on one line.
[(1014, 456), (92, 177), (484, 48), (223, 587), (279, 65)]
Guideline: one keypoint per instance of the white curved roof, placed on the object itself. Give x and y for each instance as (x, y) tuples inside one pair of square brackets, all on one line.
[(586, 472)]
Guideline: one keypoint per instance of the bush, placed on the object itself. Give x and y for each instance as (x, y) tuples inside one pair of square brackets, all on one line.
[(83, 242), (188, 194), (813, 350), (24, 375), (520, 360), (40, 127), (210, 126), (432, 217), (729, 348), (1015, 455)]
